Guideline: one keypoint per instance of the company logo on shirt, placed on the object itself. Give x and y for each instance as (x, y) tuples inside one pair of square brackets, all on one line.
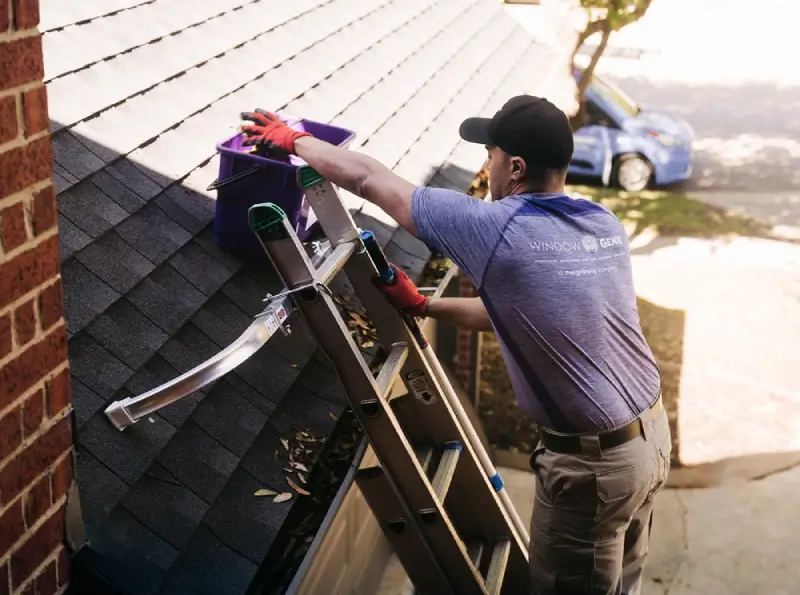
[(588, 243)]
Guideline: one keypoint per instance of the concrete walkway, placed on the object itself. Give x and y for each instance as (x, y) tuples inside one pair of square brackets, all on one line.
[(739, 384), (735, 540)]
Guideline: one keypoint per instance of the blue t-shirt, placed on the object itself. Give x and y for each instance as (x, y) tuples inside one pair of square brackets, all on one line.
[(555, 276)]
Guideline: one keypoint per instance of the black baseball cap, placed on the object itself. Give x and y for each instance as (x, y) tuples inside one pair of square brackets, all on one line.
[(528, 127)]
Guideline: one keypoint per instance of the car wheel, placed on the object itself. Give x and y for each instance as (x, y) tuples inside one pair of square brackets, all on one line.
[(632, 172)]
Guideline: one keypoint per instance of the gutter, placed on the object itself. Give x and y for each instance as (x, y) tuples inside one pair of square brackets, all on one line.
[(333, 510)]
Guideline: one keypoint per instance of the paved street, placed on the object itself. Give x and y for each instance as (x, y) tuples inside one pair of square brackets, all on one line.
[(728, 70)]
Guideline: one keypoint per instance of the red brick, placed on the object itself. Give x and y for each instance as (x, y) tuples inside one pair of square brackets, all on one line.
[(47, 581), (50, 305), (26, 165), (5, 23), (32, 365), (28, 270), (37, 500), (44, 210), (5, 335), (25, 322), (58, 394), (37, 548), (34, 109), (10, 432), (12, 527), (5, 579), (20, 471), (64, 564), (9, 127), (12, 226), (21, 62), (32, 413), (62, 477), (26, 14)]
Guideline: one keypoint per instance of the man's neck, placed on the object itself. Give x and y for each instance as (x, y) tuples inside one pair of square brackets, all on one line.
[(541, 188)]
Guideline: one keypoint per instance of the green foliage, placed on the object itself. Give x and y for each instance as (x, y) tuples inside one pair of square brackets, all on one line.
[(604, 16), (617, 12)]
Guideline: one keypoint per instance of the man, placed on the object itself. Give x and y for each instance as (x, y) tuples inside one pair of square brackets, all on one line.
[(555, 284)]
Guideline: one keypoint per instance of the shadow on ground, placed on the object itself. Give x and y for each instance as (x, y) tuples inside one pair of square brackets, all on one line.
[(664, 330)]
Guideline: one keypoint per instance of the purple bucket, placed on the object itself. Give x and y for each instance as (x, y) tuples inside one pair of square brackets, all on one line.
[(246, 179)]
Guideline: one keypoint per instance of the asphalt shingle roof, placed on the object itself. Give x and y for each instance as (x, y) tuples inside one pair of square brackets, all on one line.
[(139, 93)]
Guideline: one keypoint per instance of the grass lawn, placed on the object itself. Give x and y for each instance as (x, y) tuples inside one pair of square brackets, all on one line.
[(671, 214), (665, 213)]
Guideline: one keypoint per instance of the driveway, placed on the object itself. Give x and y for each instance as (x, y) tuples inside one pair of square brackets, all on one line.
[(730, 71)]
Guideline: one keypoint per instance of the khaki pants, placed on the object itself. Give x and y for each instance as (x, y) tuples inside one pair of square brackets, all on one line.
[(593, 512)]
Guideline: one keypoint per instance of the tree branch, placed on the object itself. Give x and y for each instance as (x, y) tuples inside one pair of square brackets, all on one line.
[(586, 77), (591, 29)]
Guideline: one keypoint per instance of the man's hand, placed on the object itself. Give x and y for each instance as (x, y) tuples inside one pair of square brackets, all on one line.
[(268, 131), (404, 295)]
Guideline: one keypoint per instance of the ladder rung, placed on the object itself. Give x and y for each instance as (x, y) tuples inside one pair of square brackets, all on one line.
[(475, 552), (391, 368), (331, 266), (446, 469), (497, 567), (424, 456), (400, 528)]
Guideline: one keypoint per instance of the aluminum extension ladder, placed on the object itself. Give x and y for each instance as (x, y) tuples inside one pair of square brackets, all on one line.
[(436, 494), (470, 543)]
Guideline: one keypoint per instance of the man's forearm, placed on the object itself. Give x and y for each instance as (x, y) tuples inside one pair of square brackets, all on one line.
[(362, 175), (464, 312), (347, 169)]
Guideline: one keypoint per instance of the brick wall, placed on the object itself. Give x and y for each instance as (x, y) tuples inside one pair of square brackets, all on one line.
[(35, 430)]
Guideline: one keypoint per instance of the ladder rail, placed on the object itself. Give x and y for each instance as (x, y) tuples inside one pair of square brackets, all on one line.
[(436, 414), (402, 531), (450, 395), (373, 412), (438, 408), (475, 442)]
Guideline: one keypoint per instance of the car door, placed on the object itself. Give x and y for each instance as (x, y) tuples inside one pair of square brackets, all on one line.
[(593, 153)]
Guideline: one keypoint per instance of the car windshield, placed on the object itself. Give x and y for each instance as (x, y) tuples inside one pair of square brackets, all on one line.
[(614, 95)]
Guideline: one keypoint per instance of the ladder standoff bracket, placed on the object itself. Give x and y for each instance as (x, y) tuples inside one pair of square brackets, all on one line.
[(308, 292)]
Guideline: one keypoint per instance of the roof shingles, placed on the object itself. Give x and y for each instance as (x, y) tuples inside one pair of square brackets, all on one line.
[(140, 91)]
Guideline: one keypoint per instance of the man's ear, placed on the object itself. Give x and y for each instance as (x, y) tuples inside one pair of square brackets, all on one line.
[(518, 168)]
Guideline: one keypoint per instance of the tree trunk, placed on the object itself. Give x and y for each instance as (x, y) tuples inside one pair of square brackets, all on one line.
[(591, 29), (586, 77), (579, 120)]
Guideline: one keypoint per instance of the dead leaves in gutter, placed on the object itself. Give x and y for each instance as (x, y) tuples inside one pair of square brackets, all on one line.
[(300, 452), (358, 323)]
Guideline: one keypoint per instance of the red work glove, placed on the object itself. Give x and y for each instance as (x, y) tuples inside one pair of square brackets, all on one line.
[(268, 131), (404, 295)]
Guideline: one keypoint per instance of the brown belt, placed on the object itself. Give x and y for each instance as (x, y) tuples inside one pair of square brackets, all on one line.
[(571, 444)]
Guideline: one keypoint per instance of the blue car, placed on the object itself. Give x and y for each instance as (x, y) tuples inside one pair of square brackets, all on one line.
[(628, 146)]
